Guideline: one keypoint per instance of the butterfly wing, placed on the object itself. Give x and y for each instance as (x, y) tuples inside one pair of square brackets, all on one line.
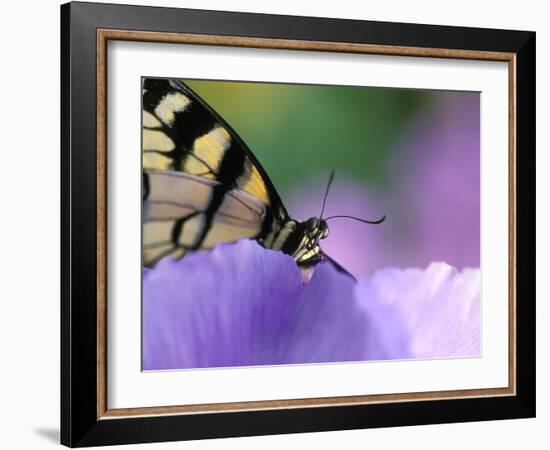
[(201, 183)]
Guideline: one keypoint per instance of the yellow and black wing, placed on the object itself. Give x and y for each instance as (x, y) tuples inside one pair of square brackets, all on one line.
[(201, 183)]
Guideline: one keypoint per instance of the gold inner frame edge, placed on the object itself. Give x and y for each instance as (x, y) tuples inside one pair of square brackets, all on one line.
[(103, 36)]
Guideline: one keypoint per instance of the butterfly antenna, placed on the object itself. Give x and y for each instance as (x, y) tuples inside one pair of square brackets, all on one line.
[(372, 222), (331, 177)]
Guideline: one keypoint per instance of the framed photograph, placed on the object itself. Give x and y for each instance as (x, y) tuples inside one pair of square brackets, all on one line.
[(276, 224)]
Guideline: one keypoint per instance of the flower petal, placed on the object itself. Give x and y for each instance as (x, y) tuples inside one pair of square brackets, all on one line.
[(226, 307), (329, 325), (439, 306), (242, 305)]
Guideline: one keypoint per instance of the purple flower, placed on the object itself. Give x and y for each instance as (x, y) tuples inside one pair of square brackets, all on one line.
[(242, 305), (439, 307)]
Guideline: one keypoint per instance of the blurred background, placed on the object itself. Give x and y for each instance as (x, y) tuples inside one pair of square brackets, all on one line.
[(412, 155)]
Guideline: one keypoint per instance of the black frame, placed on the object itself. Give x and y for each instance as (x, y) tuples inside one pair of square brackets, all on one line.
[(79, 423)]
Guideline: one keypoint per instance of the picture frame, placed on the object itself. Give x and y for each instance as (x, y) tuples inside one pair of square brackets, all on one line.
[(86, 30)]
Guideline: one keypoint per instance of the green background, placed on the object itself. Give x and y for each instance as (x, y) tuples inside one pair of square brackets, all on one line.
[(299, 132)]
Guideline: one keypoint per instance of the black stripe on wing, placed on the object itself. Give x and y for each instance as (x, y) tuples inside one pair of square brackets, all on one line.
[(275, 200), (176, 210), (192, 119)]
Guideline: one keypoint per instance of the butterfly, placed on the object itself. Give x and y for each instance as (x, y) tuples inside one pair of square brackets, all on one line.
[(202, 185)]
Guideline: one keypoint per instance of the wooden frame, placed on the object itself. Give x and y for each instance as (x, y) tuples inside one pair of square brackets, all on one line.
[(86, 418)]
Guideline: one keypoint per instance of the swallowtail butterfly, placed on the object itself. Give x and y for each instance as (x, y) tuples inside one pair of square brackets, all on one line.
[(202, 185)]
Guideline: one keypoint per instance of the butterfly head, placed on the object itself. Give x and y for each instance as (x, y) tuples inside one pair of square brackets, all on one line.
[(316, 229), (303, 242)]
